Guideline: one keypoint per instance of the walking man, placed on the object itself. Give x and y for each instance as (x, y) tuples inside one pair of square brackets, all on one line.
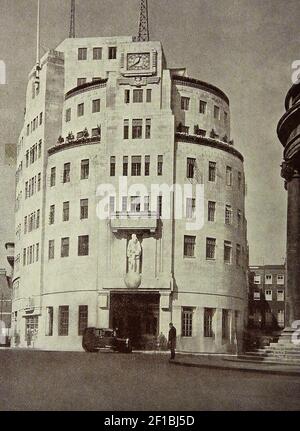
[(172, 340)]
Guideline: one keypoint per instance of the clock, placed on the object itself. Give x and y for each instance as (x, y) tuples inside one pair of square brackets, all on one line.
[(138, 61)]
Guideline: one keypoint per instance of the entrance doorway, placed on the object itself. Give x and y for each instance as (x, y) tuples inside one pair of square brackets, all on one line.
[(136, 315)]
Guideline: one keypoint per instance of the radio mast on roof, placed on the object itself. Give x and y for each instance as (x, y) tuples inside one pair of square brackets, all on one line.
[(143, 35), (72, 21)]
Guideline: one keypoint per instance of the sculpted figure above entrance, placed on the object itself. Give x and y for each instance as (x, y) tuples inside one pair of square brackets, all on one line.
[(134, 251)]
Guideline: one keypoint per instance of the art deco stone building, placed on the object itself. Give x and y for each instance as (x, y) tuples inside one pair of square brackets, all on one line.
[(105, 109)]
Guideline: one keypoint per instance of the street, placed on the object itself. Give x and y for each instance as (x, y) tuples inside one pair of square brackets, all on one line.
[(34, 380)]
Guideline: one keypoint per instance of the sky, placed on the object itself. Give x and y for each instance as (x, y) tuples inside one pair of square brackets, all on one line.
[(244, 47)]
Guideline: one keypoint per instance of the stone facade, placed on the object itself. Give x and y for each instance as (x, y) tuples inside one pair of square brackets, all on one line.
[(108, 111)]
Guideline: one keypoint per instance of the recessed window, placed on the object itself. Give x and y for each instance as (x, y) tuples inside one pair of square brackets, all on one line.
[(81, 81), (63, 320), (85, 169), (53, 177), (159, 206), (137, 96), (97, 53), (112, 52), (257, 279), (66, 211), (189, 246), (228, 214), (256, 296), (135, 204), (212, 171), (136, 165), (83, 245), (65, 246), (82, 318), (268, 279), (202, 107), (228, 176), (52, 214), (160, 162), (126, 129), (148, 128), (280, 279), (96, 105), (268, 295), (225, 324), (185, 103), (84, 209), (280, 318), (280, 295), (51, 249), (80, 109), (190, 170), (82, 53), (112, 166), (137, 129), (216, 112), (187, 322), (210, 248), (147, 166), (66, 173), (208, 322), (227, 252), (125, 166), (127, 96), (148, 95), (211, 211), (190, 208)]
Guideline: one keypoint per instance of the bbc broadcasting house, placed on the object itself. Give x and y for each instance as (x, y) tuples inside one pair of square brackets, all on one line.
[(106, 108)]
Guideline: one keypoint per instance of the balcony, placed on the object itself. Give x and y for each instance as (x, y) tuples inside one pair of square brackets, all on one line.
[(127, 220)]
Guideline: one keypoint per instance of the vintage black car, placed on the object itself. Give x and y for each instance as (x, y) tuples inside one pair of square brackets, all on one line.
[(95, 339)]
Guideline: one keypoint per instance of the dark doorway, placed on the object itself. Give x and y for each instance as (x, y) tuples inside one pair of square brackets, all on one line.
[(136, 315)]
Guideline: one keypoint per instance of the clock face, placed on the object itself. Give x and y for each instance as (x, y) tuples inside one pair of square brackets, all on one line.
[(138, 61)]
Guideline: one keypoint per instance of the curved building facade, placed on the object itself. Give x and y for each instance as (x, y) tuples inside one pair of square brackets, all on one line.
[(131, 203)]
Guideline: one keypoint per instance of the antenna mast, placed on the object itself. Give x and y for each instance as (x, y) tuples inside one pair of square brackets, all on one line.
[(72, 22), (144, 25), (37, 67)]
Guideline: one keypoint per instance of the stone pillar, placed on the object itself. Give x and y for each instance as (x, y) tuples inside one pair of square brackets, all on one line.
[(291, 173)]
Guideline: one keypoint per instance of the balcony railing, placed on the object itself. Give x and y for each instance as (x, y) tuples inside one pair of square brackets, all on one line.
[(129, 220)]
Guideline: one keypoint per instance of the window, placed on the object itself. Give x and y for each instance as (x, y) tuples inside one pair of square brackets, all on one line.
[(49, 322), (125, 166), (40, 149), (190, 208), (187, 322), (83, 245), (85, 169), (31, 327), (210, 248), (160, 162), (212, 167), (82, 53), (135, 204), (216, 112), (228, 176), (280, 279), (137, 96), (68, 115), (96, 105), (84, 209), (52, 214), (27, 158), (24, 256), (25, 224), (80, 109), (137, 129), (257, 279), (238, 255), (37, 252), (227, 252), (63, 320), (268, 295), (52, 177), (148, 129), (159, 206), (202, 107), (112, 166), (256, 296), (208, 322), (280, 318), (185, 103), (148, 95), (225, 324), (38, 219), (189, 246), (127, 96), (97, 53), (268, 279), (146, 203), (81, 81), (39, 181), (82, 318), (66, 211), (280, 295), (239, 180), (126, 129), (65, 246), (112, 52), (190, 170), (51, 249), (136, 163), (211, 211), (66, 173), (147, 166), (228, 214)]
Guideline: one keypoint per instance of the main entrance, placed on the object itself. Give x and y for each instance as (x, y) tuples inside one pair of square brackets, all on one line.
[(136, 315)]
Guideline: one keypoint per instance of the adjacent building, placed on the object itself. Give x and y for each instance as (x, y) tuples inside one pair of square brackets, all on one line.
[(130, 205), (267, 286)]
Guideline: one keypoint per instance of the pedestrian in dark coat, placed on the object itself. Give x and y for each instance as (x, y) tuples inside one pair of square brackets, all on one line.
[(172, 340)]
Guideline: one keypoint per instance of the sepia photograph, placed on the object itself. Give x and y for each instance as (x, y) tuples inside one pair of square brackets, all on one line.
[(150, 216)]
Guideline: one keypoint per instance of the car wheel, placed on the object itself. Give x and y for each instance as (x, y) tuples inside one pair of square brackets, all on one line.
[(89, 349)]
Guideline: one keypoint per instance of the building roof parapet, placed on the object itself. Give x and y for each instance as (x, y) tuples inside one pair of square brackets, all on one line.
[(99, 83), (195, 139), (73, 143), (196, 83)]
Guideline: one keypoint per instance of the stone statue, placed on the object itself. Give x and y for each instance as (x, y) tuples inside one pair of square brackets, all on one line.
[(134, 251)]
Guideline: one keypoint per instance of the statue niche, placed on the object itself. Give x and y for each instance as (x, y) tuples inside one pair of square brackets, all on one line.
[(134, 252)]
